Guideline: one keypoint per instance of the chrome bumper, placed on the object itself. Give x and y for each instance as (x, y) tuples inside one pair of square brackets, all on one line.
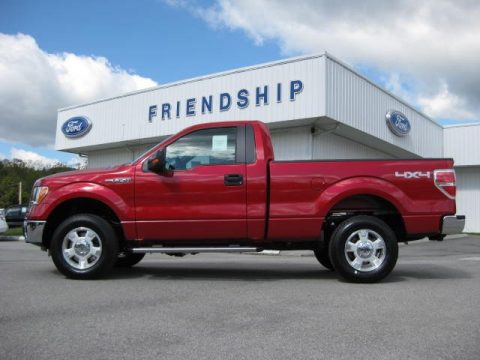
[(453, 224), (33, 231)]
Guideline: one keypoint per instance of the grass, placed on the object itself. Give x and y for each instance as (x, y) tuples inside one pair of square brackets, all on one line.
[(17, 231)]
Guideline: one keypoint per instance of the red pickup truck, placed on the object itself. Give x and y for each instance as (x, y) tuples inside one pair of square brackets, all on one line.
[(216, 188)]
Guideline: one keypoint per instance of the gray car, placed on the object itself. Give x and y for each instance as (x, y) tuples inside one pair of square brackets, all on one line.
[(3, 225)]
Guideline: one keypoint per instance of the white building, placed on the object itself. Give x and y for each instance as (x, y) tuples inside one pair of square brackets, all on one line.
[(316, 107)]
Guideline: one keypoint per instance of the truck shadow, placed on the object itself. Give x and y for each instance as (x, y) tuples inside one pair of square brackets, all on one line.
[(221, 273), (226, 272)]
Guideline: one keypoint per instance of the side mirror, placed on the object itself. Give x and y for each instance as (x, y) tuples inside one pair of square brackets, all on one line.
[(157, 162)]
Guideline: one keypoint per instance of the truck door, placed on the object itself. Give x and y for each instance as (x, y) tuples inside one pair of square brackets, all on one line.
[(204, 196)]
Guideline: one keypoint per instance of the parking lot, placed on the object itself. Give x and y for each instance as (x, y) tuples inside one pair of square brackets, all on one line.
[(243, 307)]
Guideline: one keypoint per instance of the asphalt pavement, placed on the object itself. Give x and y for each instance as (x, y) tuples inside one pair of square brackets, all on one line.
[(224, 306)]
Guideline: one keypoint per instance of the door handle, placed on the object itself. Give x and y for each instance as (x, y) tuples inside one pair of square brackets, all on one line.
[(233, 179)]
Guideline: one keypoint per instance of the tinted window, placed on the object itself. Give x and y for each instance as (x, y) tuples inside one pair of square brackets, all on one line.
[(12, 212), (203, 147)]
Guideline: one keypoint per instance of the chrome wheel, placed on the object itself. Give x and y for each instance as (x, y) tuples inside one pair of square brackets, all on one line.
[(81, 248), (365, 250)]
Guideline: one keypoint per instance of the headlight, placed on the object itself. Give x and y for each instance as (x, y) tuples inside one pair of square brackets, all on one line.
[(39, 193)]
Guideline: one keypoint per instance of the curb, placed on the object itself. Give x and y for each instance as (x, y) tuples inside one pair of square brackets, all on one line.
[(12, 238)]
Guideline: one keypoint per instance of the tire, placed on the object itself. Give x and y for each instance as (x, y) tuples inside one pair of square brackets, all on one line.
[(323, 258), (84, 247), (363, 249), (127, 259)]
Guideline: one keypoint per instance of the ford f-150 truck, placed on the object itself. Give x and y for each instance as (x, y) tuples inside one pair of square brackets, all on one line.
[(216, 188)]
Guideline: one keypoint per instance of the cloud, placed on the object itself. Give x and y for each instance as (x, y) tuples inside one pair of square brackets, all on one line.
[(77, 162), (36, 83), (434, 42), (35, 160), (32, 159), (445, 105), (394, 83)]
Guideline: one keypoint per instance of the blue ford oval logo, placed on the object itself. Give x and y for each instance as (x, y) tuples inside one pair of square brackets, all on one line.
[(76, 127), (398, 123)]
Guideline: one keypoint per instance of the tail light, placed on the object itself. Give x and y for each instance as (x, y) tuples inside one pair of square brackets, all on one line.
[(445, 181)]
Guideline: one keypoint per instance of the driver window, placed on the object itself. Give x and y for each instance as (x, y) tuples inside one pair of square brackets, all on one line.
[(203, 147)]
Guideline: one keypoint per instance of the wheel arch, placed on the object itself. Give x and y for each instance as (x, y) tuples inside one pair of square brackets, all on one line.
[(357, 186), (80, 205), (369, 197)]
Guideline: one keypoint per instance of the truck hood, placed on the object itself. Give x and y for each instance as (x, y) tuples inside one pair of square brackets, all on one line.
[(91, 175)]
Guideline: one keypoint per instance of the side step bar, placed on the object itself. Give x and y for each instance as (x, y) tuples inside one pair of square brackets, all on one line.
[(176, 250)]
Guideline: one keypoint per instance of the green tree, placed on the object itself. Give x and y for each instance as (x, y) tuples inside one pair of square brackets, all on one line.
[(14, 171)]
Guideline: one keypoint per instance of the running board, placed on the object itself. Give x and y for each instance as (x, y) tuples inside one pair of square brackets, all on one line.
[(182, 250)]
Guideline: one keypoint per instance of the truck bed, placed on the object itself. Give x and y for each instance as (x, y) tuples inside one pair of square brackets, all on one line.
[(303, 193)]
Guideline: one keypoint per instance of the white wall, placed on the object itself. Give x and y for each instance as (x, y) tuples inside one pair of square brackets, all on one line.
[(462, 143), (117, 156), (331, 146), (292, 144), (300, 144), (468, 196)]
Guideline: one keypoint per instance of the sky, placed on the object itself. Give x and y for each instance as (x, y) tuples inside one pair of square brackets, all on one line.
[(58, 53)]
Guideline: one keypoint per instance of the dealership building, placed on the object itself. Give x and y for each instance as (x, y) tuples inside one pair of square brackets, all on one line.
[(316, 107)]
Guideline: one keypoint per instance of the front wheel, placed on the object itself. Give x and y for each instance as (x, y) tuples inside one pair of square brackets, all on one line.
[(127, 259), (321, 254), (363, 249), (84, 246)]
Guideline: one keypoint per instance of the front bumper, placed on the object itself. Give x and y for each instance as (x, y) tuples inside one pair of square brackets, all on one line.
[(453, 224), (33, 231)]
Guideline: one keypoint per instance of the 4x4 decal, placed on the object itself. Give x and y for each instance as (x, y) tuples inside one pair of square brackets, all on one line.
[(413, 174)]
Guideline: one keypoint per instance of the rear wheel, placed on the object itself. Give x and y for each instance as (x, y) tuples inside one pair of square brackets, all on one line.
[(363, 249), (84, 246)]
